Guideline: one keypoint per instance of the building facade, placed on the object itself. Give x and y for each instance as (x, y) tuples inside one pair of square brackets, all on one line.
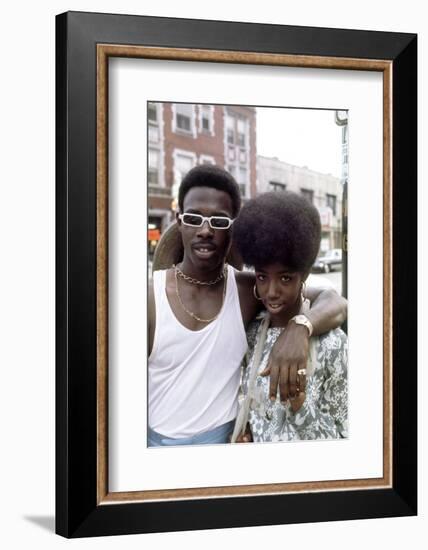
[(324, 191), (183, 135)]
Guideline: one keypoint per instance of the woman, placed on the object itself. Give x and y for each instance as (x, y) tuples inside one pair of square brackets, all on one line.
[(279, 235)]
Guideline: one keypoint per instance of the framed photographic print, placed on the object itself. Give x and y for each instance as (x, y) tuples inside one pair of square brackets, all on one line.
[(143, 101)]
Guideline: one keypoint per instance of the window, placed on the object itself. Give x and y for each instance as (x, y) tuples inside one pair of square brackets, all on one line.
[(242, 177), (277, 186), (230, 129), (331, 202), (237, 149), (231, 153), (232, 170), (206, 119), (183, 162), (153, 119), (242, 156), (241, 132), (242, 180), (206, 159), (152, 113), (153, 134), (154, 159), (308, 194), (184, 117)]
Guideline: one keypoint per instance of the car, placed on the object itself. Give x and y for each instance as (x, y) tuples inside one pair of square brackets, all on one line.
[(329, 260)]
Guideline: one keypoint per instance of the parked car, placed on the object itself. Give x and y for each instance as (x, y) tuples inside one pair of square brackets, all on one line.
[(327, 261)]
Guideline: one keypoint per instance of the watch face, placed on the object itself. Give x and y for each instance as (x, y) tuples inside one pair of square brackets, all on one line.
[(302, 320)]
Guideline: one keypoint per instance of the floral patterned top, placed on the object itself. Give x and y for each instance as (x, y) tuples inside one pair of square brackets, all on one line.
[(324, 414)]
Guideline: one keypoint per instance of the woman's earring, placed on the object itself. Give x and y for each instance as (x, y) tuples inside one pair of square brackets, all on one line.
[(303, 290), (256, 296)]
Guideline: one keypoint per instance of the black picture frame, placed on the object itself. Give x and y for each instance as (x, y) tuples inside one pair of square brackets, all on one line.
[(78, 510)]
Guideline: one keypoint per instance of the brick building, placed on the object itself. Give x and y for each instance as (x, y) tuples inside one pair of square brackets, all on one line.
[(183, 135), (324, 191)]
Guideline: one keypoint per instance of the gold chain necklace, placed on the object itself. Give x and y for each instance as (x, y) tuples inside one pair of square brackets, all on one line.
[(196, 281), (193, 315)]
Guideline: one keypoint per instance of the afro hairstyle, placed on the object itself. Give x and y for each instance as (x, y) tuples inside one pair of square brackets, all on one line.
[(278, 227), (208, 175)]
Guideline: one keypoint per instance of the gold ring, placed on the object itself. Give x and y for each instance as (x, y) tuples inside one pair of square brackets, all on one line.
[(301, 371)]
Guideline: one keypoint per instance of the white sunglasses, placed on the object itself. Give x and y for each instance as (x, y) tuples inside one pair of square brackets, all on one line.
[(215, 222)]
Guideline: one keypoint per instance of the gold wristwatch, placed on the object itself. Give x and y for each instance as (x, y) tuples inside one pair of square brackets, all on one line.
[(303, 320)]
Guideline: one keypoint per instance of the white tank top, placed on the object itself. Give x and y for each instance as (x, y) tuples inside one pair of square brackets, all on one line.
[(194, 376)]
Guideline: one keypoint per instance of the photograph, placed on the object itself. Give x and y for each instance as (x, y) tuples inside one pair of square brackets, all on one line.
[(231, 233), (246, 242), (213, 244), (233, 275)]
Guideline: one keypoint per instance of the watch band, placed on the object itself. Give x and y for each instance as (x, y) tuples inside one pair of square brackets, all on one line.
[(303, 320)]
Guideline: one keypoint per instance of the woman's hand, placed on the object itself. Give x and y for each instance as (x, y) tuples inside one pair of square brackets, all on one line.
[(246, 437), (291, 350), (297, 402), (289, 354)]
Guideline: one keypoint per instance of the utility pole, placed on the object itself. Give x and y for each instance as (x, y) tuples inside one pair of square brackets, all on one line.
[(341, 119)]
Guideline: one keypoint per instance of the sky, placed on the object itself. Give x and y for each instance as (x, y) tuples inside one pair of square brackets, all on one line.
[(304, 137)]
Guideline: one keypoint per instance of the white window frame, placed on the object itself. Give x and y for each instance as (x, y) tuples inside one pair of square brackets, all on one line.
[(228, 116), (192, 121), (153, 122), (154, 150), (245, 122), (158, 145), (237, 149), (206, 158), (332, 196), (306, 192), (177, 180), (243, 183), (211, 131)]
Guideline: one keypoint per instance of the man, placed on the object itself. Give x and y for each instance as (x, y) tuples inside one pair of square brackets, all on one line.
[(198, 312)]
